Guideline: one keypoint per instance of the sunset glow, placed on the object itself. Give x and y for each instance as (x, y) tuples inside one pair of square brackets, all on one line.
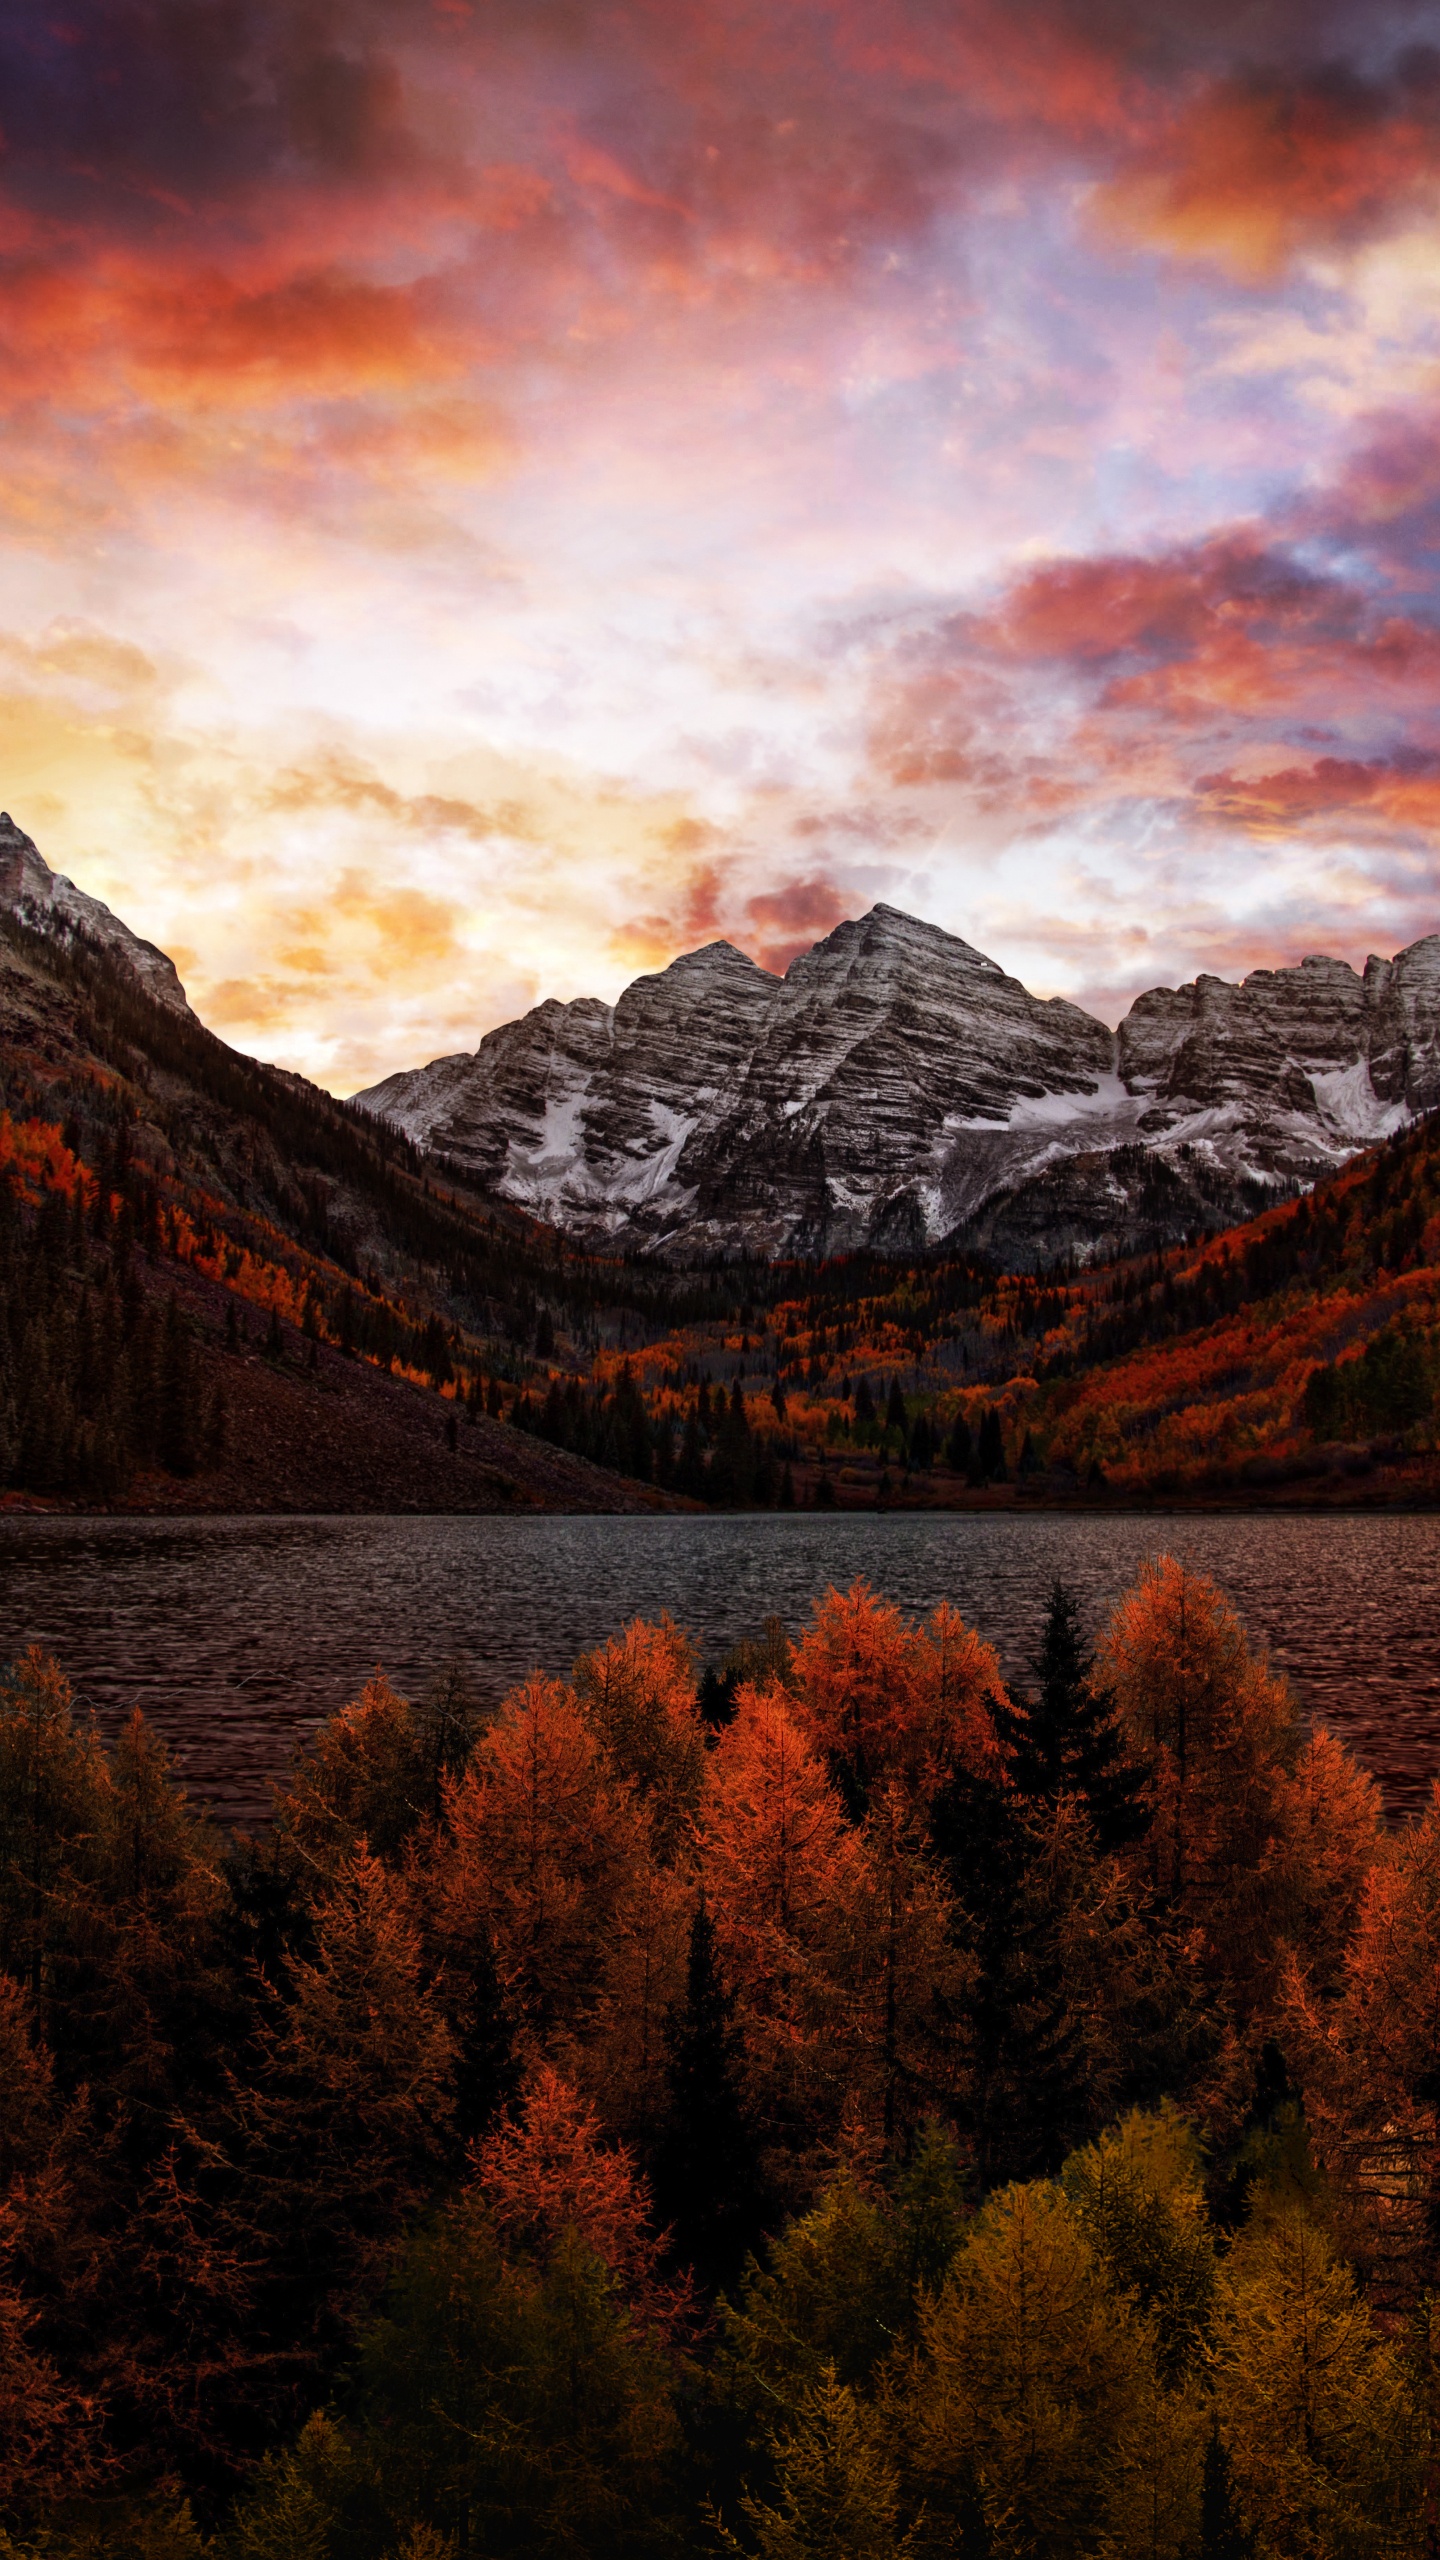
[(493, 495)]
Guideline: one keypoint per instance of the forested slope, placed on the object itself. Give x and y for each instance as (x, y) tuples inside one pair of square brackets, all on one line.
[(220, 1289), (838, 2110), (328, 1286), (1294, 1358)]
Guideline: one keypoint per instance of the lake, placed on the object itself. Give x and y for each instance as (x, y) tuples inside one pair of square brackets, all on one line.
[(236, 1637)]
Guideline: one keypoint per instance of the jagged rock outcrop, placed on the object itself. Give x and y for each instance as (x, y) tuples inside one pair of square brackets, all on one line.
[(53, 905), (897, 1090)]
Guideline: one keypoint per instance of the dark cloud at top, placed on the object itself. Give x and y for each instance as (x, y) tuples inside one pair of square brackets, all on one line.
[(190, 99), (831, 118)]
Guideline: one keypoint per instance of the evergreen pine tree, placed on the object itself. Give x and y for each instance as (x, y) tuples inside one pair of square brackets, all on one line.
[(1222, 2536), (959, 1448), (895, 1410), (992, 1447), (274, 1339), (1024, 2062), (715, 1699), (707, 2181), (1068, 1739)]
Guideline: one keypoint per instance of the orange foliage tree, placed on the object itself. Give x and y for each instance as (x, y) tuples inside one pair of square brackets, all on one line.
[(884, 1699), (785, 1881), (1222, 1735), (544, 1846)]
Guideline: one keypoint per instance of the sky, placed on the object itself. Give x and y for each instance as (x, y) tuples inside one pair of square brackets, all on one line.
[(495, 493)]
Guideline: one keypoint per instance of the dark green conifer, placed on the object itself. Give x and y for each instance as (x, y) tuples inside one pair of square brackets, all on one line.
[(1025, 2066), (707, 2180), (992, 1447), (959, 1448), (1222, 2535), (1067, 1739)]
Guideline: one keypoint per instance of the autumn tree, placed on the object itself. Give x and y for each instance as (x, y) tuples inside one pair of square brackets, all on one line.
[(497, 2404), (883, 1699), (1317, 2412), (837, 2488), (785, 1882), (544, 1842), (343, 2120), (1221, 1734), (546, 2170), (1035, 2391), (638, 1693), (363, 1784)]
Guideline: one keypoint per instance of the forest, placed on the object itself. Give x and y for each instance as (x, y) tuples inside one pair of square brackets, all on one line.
[(816, 2104), (169, 1209)]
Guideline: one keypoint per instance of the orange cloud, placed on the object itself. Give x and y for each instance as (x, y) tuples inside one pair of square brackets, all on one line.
[(1404, 792), (786, 921), (1263, 164)]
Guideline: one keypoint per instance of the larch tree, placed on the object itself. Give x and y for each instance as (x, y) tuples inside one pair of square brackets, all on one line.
[(1368, 2052), (1318, 2413), (543, 1848), (639, 1694), (837, 2487), (1034, 2387), (886, 1700), (363, 1783), (785, 1882), (344, 2122), (1222, 1734), (547, 2169)]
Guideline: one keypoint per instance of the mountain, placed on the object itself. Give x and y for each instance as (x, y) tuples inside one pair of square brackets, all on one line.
[(221, 1290), (53, 905), (896, 1090)]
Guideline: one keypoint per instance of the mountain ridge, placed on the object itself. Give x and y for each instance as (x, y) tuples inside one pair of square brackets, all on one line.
[(898, 1090), (51, 903)]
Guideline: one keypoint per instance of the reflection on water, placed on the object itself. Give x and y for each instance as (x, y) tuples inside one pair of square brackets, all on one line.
[(237, 1636)]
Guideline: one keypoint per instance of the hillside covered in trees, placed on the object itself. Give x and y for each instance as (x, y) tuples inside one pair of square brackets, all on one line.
[(1296, 1357), (831, 2107), (221, 1290)]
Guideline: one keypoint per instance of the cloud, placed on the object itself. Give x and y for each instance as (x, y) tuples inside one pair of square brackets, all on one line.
[(1264, 164), (1403, 792), (784, 922)]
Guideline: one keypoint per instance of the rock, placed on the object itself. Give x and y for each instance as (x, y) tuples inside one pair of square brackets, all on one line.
[(51, 904), (896, 1090)]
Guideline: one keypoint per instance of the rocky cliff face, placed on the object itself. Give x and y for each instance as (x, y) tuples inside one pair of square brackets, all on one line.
[(53, 905), (896, 1089)]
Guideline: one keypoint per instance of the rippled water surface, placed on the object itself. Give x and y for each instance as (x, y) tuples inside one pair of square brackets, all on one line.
[(237, 1636)]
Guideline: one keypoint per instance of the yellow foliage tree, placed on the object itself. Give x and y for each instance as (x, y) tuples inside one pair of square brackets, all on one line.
[(1319, 2415), (1036, 2390)]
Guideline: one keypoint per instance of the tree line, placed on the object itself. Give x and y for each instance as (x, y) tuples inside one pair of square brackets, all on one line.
[(822, 2103)]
